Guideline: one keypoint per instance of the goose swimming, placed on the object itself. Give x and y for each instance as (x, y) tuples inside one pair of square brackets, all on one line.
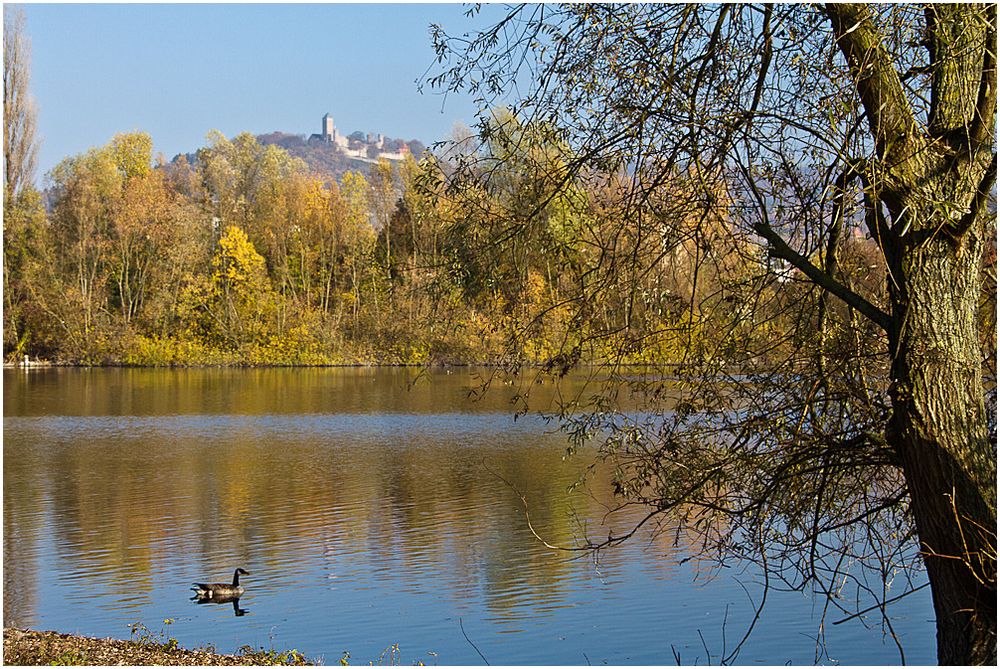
[(219, 590)]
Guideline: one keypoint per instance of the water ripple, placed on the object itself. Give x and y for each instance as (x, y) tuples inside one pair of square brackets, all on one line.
[(366, 514)]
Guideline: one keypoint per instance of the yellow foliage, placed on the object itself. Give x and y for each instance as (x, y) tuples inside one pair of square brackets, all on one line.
[(237, 264), (171, 351), (242, 297), (132, 153)]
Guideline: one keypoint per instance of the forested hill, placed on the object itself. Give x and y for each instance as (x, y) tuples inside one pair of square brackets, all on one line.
[(324, 158)]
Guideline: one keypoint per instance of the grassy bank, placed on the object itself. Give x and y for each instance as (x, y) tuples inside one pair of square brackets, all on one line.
[(28, 647)]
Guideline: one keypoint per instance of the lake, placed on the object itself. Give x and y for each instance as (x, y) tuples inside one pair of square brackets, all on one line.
[(373, 508)]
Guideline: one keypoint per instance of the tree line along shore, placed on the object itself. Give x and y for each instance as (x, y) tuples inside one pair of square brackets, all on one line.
[(246, 257)]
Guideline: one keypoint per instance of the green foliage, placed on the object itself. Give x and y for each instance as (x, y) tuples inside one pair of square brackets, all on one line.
[(271, 656), (143, 635)]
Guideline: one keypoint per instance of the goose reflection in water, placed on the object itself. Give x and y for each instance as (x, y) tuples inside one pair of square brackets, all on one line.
[(222, 599)]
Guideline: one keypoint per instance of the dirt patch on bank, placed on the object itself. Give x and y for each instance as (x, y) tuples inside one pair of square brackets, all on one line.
[(28, 647)]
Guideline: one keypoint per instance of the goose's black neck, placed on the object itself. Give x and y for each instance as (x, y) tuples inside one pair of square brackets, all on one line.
[(236, 578)]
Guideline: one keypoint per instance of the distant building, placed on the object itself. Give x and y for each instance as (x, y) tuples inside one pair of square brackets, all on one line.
[(328, 132), (404, 150), (375, 142)]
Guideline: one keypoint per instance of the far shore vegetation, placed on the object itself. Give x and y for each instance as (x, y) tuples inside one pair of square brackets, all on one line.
[(246, 257)]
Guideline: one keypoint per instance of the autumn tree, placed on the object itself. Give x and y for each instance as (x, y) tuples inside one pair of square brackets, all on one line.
[(27, 260), (87, 189), (140, 223), (354, 193), (382, 180), (241, 303), (413, 233), (322, 242), (826, 419), (242, 179), (185, 244)]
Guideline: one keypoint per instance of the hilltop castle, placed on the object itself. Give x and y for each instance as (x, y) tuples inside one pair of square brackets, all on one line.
[(362, 150)]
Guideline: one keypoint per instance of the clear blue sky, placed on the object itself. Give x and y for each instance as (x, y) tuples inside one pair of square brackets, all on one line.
[(178, 71)]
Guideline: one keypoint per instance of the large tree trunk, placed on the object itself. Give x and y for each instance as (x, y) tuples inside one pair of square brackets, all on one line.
[(940, 431), (933, 176)]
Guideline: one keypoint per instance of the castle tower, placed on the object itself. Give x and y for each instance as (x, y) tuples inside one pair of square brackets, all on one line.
[(328, 129)]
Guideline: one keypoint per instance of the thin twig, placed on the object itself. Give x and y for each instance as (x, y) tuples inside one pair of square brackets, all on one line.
[(705, 646), (881, 604), (462, 627)]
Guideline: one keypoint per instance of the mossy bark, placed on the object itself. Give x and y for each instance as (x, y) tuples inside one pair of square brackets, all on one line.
[(939, 430), (929, 180)]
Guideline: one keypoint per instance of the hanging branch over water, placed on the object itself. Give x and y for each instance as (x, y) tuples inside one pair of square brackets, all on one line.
[(820, 174)]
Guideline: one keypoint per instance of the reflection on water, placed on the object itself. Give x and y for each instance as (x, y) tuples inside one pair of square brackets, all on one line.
[(234, 601), (370, 511)]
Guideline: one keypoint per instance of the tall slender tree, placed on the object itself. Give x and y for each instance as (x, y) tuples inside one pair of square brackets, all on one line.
[(20, 146), (22, 204)]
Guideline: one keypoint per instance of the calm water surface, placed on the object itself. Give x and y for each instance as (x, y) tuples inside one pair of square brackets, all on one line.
[(368, 507)]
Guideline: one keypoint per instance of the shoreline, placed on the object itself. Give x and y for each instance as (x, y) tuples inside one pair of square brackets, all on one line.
[(45, 364), (48, 364), (34, 647), (348, 365)]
